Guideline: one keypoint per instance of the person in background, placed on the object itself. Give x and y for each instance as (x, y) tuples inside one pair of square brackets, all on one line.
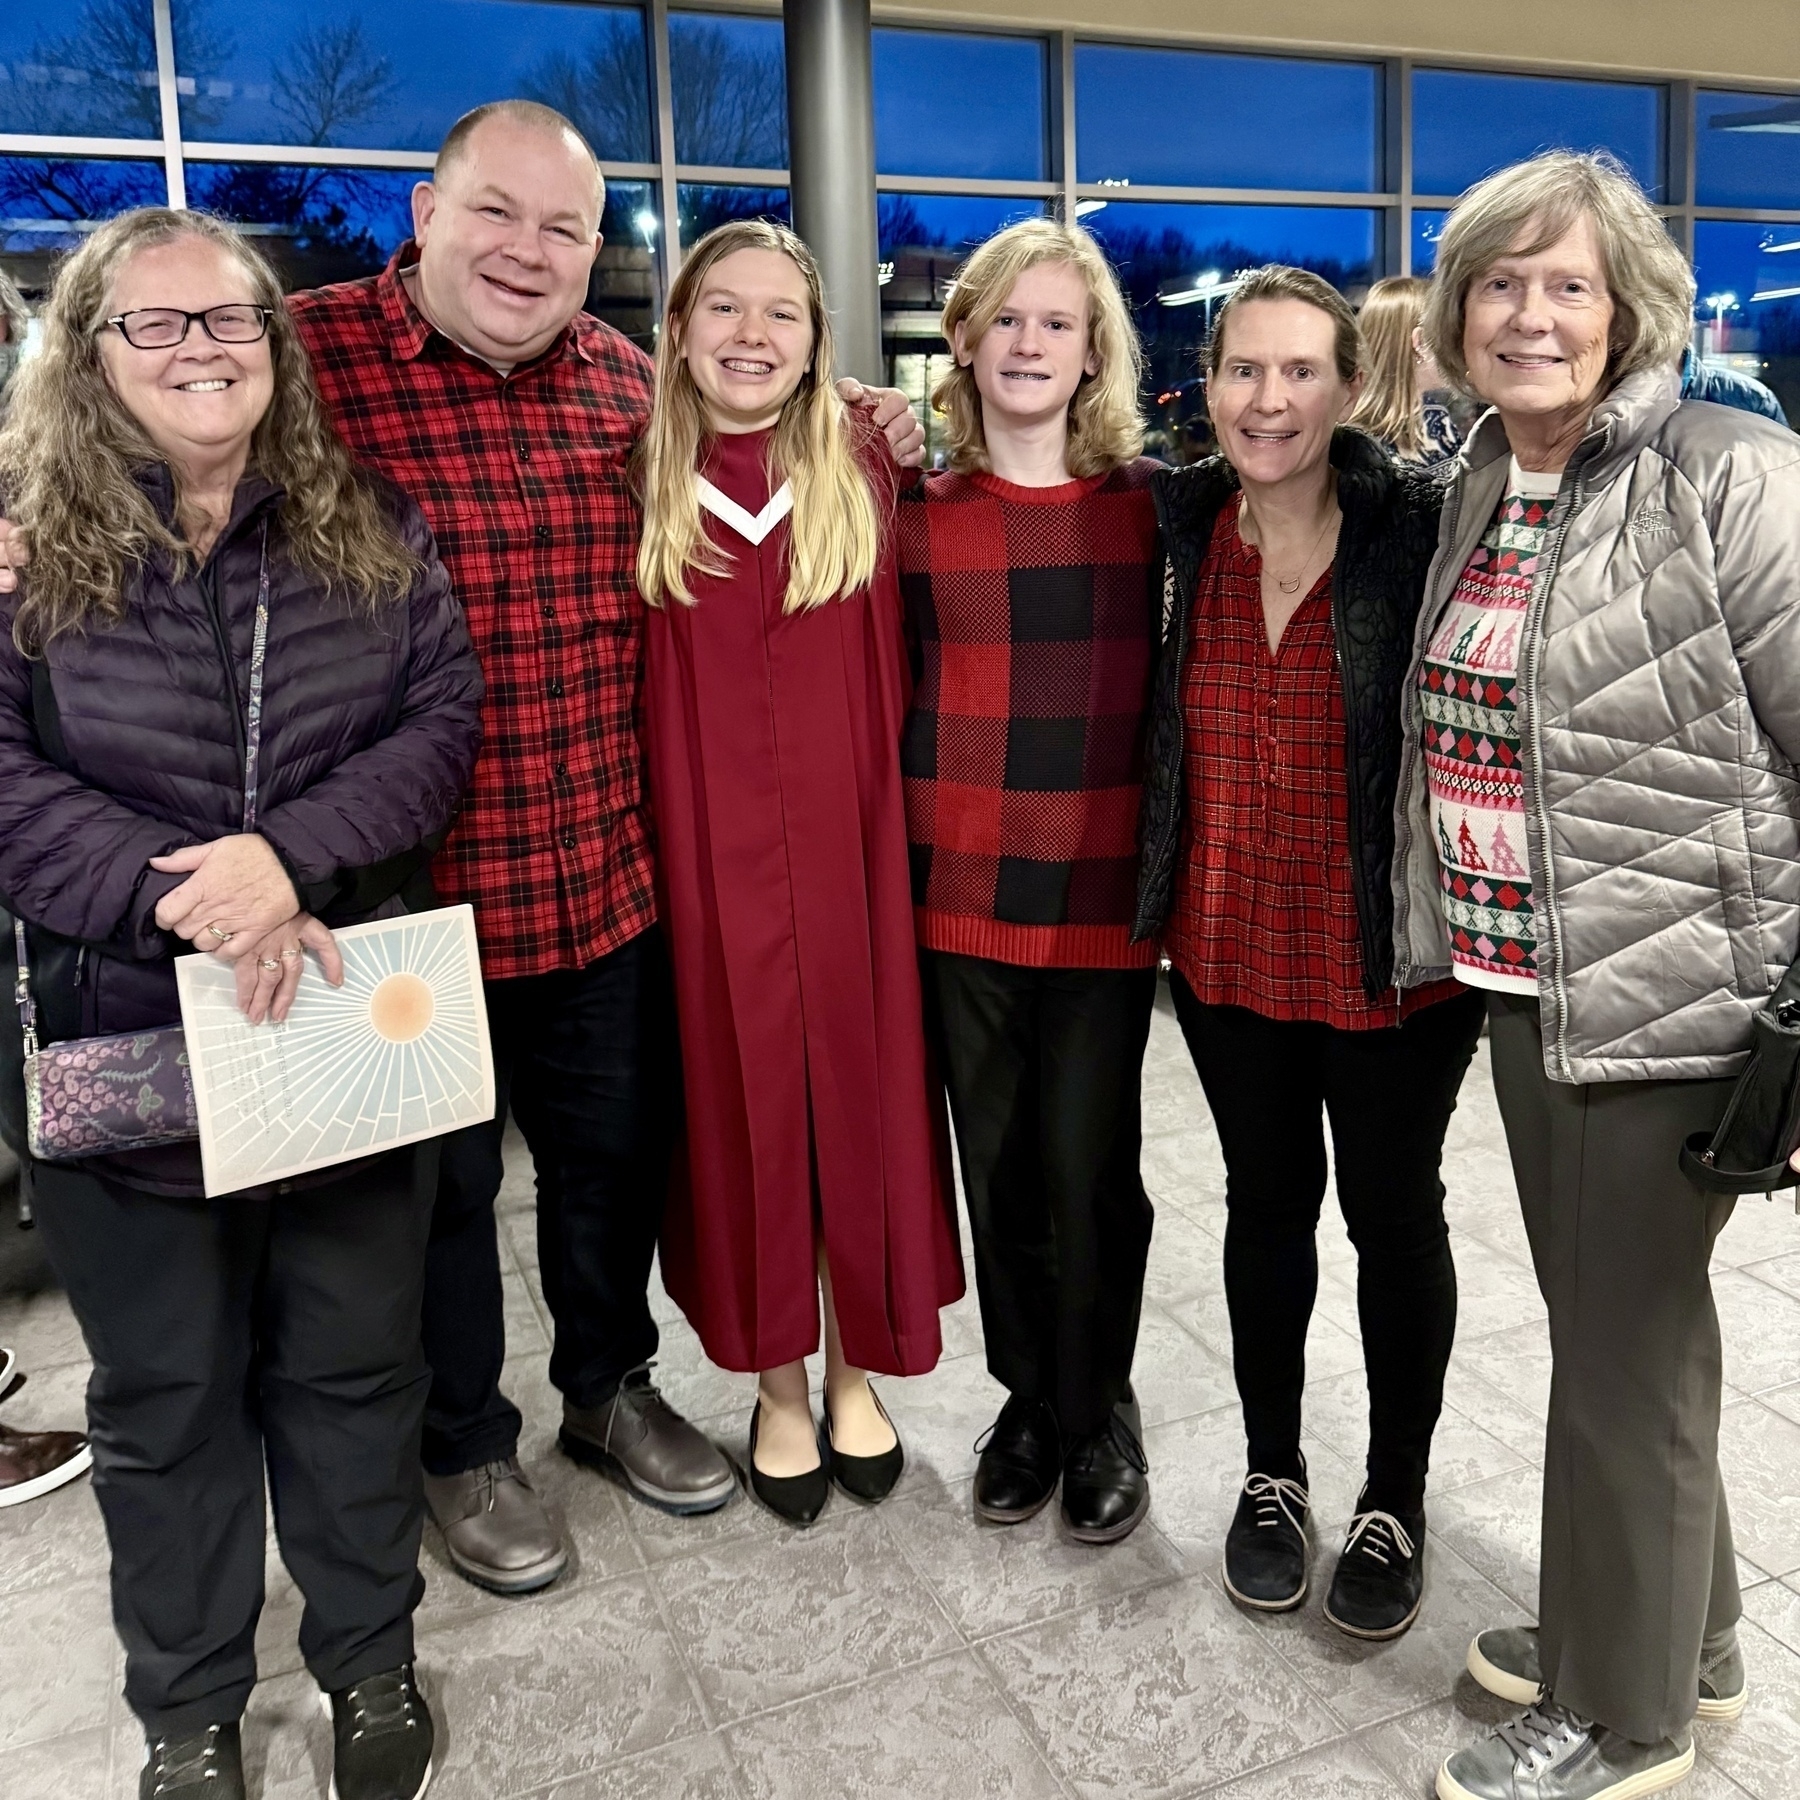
[(816, 1155), (34, 1463), (237, 705), (1599, 831), (1032, 578), (1728, 387), (15, 321), (1403, 405), (1298, 558)]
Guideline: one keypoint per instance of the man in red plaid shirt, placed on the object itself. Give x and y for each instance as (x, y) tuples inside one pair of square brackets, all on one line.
[(470, 375)]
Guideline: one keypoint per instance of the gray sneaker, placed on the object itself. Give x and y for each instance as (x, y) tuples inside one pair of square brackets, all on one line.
[(1505, 1662), (640, 1437), (1549, 1754), (495, 1527)]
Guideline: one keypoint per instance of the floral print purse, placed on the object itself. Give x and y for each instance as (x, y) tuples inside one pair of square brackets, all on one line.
[(93, 1096)]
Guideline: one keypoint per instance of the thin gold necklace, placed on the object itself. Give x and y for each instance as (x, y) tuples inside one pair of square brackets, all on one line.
[(1292, 587)]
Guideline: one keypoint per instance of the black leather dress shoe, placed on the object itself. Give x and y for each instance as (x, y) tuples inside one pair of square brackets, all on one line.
[(1020, 1462), (869, 1479), (1266, 1547), (797, 1498), (1380, 1579), (1106, 1479)]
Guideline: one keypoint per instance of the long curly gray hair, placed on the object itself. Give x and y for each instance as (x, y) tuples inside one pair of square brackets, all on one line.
[(70, 453)]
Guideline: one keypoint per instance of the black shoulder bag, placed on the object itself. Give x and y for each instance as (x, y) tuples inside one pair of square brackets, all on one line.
[(1760, 1131)]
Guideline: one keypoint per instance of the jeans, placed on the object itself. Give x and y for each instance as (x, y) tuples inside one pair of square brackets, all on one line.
[(585, 1060), (1389, 1094)]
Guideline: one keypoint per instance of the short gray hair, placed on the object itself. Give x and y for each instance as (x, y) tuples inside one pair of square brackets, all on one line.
[(1532, 205)]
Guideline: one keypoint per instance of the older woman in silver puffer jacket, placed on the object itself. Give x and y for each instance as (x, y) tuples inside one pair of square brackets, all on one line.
[(1599, 821)]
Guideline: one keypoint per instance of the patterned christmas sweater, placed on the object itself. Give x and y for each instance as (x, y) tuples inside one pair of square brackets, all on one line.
[(1471, 736)]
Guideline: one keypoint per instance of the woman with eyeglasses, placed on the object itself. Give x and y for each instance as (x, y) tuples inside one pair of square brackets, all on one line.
[(237, 705)]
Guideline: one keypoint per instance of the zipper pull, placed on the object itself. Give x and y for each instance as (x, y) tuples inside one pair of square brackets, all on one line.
[(80, 966)]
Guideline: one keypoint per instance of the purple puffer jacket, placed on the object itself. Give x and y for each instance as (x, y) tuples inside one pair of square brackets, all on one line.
[(369, 733)]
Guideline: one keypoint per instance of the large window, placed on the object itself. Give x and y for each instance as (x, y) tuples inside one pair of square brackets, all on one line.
[(970, 107), (79, 71), (397, 76), (1467, 124), (1747, 150), (729, 82), (1197, 119), (1749, 301)]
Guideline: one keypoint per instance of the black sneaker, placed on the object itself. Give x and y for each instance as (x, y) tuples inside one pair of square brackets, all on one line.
[(1380, 1580), (1265, 1549), (206, 1765), (381, 1738)]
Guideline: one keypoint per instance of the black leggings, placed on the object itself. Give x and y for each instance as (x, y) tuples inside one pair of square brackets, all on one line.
[(1389, 1094)]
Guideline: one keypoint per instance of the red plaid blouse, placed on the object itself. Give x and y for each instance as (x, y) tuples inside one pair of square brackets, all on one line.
[(523, 479), (1265, 911)]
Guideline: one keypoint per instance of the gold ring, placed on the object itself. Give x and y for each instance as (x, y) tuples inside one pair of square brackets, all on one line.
[(268, 962), (224, 937)]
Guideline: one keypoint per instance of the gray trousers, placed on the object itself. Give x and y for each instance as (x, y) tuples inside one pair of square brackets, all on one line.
[(1637, 1559)]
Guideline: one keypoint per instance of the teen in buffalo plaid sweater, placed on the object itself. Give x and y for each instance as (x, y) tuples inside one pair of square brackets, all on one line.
[(1033, 587)]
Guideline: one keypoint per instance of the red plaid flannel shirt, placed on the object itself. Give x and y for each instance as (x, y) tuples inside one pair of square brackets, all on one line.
[(1265, 911), (523, 480)]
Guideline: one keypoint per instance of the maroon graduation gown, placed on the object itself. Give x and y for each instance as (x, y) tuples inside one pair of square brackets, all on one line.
[(774, 752)]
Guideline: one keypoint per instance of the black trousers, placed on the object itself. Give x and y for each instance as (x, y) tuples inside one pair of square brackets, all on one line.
[(585, 1060), (1389, 1095), (1043, 1068), (228, 1335)]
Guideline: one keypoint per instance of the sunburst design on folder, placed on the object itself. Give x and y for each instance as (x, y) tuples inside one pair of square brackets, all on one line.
[(400, 1052)]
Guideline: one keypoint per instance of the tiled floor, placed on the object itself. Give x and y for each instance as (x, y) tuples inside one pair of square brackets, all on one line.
[(909, 1652)]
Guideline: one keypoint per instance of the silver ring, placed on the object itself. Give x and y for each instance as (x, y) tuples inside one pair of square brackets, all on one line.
[(224, 937), (268, 962), (289, 955)]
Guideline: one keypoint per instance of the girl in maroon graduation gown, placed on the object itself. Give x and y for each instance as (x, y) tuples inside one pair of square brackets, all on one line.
[(816, 1155)]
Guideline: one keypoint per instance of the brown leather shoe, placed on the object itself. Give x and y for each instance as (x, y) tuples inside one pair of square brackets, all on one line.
[(35, 1462), (641, 1438), (495, 1527)]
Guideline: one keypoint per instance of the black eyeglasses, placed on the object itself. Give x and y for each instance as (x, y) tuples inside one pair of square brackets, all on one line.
[(163, 327)]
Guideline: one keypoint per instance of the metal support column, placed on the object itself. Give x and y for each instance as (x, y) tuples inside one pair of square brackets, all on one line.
[(831, 157)]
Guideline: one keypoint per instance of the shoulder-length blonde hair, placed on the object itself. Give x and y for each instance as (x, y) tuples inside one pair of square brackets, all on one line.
[(835, 537), (1522, 211), (1106, 428), (1390, 408), (70, 453)]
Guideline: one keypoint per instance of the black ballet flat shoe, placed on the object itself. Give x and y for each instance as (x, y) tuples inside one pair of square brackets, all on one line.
[(799, 1499), (1021, 1462), (869, 1479)]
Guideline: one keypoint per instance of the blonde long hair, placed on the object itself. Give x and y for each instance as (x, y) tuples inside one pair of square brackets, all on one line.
[(835, 537), (1106, 429), (70, 453), (1391, 408)]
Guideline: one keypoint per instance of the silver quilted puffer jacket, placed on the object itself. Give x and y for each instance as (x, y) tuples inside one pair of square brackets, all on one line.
[(1659, 715)]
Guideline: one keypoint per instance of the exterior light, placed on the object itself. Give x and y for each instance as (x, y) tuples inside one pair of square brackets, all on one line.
[(646, 224)]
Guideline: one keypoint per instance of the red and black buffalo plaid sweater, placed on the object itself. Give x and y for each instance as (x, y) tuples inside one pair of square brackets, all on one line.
[(1032, 615)]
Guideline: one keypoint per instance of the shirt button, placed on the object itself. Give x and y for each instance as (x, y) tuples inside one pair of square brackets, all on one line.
[(568, 840), (555, 685), (543, 534), (524, 450), (562, 770), (549, 612)]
